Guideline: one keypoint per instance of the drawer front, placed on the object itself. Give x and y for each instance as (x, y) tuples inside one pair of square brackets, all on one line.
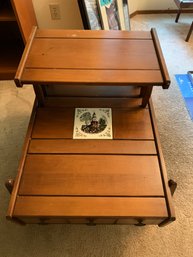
[(92, 221)]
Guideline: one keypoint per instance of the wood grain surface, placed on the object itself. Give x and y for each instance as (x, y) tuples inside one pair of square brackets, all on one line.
[(90, 207), (127, 123), (106, 54), (91, 175), (55, 33), (65, 146), (106, 58)]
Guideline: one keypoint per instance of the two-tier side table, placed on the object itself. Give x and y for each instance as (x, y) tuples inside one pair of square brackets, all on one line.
[(122, 180)]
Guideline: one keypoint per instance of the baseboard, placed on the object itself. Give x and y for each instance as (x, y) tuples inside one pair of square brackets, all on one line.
[(158, 12), (133, 14)]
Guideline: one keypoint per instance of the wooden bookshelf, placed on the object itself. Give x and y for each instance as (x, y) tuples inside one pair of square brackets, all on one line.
[(11, 44), (13, 34), (10, 55), (7, 14)]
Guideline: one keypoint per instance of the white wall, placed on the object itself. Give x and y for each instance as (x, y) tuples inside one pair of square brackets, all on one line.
[(152, 5), (70, 16), (133, 5)]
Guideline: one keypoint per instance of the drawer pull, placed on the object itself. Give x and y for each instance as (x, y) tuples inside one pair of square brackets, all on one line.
[(91, 223), (140, 223), (43, 221)]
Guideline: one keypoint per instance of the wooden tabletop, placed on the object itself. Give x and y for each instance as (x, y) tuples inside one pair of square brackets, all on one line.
[(119, 181), (93, 57)]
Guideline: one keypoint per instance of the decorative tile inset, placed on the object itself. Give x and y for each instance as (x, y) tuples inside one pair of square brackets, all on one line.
[(93, 123)]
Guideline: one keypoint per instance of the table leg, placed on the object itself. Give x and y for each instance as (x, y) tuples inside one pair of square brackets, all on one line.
[(178, 15), (9, 185), (172, 185), (142, 92), (145, 94), (189, 33), (39, 94)]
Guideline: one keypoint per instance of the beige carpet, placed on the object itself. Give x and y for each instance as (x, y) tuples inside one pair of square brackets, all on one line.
[(176, 131)]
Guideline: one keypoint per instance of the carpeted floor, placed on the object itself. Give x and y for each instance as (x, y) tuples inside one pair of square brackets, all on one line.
[(176, 132)]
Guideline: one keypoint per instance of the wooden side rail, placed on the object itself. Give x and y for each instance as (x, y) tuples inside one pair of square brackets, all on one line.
[(163, 67), (24, 58)]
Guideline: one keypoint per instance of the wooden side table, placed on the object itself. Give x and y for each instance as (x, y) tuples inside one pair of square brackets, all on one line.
[(117, 181), (183, 4)]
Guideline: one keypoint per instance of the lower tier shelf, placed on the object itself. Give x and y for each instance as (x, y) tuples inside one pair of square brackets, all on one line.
[(91, 181)]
